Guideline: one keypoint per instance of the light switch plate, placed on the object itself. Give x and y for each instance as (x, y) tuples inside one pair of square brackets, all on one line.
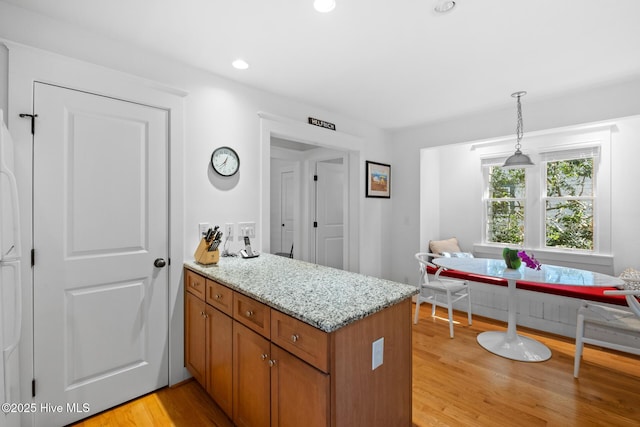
[(377, 353), (228, 230), (246, 229)]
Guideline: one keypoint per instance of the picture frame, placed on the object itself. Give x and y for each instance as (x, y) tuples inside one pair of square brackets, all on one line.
[(378, 180)]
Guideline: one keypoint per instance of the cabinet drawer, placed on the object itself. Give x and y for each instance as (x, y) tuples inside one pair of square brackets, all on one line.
[(194, 283), (252, 314), (308, 343), (220, 297)]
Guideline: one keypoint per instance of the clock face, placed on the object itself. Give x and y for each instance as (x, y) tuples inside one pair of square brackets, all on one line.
[(225, 161)]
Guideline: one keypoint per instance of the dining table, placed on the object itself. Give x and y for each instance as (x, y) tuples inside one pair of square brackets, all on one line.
[(510, 344)]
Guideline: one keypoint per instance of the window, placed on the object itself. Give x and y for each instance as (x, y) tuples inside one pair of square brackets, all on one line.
[(505, 205), (569, 198), (551, 205)]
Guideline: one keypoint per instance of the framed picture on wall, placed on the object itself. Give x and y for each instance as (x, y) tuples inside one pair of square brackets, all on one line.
[(378, 180)]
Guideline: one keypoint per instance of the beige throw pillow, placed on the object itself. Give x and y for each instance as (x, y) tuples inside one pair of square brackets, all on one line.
[(440, 246)]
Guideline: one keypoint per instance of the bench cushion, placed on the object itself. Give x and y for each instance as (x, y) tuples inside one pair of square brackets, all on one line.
[(590, 293)]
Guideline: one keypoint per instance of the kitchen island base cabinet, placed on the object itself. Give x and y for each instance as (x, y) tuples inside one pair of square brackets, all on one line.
[(219, 358), (195, 332), (299, 392), (208, 341), (251, 378), (285, 372)]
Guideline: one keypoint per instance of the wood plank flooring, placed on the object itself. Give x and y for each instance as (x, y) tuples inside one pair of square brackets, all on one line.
[(456, 383)]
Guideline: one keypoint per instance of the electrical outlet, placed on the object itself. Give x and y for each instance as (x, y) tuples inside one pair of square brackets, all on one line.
[(246, 229), (377, 353), (203, 227), (228, 230)]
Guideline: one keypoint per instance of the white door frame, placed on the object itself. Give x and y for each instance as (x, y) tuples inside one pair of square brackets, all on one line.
[(28, 65), (284, 128)]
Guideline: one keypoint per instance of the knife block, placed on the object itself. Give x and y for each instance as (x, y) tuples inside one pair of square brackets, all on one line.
[(203, 256)]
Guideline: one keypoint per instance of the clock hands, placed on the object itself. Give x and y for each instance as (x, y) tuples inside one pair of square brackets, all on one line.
[(223, 163)]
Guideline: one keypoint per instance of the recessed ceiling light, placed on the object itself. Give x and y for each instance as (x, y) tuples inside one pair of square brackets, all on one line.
[(324, 6), (444, 6), (240, 64)]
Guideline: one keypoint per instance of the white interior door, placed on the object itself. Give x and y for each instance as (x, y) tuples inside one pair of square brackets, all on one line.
[(330, 214), (100, 220), (287, 201)]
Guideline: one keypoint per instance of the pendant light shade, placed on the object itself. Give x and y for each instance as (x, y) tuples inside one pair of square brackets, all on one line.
[(518, 159)]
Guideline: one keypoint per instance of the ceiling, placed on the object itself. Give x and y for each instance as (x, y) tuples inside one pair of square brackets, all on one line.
[(393, 64)]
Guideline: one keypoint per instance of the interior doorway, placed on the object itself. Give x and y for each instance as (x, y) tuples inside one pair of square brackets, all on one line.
[(291, 140), (309, 200)]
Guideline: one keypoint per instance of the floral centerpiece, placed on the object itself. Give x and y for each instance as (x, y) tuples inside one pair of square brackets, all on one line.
[(514, 258), (511, 258)]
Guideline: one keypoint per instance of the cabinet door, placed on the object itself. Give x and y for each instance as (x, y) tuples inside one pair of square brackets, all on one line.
[(194, 337), (219, 358), (299, 392), (251, 378)]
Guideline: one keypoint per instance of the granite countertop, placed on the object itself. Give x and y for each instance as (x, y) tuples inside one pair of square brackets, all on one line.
[(323, 297)]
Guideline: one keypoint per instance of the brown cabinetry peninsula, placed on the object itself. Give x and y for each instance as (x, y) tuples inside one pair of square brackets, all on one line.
[(267, 367)]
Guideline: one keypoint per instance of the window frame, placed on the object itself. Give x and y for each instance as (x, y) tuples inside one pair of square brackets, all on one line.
[(542, 147), (566, 155), (487, 200)]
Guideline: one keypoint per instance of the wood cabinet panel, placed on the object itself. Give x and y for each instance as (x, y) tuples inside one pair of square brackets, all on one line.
[(194, 337), (382, 396), (303, 340), (194, 283), (299, 392), (252, 314), (220, 297), (220, 358), (251, 378)]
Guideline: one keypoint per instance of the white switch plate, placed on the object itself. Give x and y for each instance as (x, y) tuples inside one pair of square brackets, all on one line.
[(228, 230), (377, 353), (246, 229), (203, 227)]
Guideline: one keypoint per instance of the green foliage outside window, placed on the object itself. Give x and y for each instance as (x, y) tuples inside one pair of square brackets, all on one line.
[(505, 207), (569, 205)]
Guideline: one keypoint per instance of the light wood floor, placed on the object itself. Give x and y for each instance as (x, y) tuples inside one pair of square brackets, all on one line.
[(456, 383)]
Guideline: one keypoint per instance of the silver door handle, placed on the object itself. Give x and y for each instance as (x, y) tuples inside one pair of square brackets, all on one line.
[(159, 262)]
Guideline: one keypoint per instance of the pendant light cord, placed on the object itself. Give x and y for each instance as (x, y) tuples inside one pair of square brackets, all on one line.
[(519, 128)]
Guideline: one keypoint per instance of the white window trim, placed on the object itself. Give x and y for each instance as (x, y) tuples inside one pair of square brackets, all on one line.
[(542, 145), (588, 151)]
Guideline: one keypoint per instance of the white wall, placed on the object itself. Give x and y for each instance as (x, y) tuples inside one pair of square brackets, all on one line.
[(600, 103), (216, 112)]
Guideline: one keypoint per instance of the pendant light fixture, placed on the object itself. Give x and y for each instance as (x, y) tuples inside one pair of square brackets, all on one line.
[(518, 159)]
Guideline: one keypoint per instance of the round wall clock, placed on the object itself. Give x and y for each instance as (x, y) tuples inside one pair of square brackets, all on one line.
[(225, 161)]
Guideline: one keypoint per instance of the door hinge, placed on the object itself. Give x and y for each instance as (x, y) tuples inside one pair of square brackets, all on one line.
[(33, 257), (33, 121), (33, 387), (315, 177), (315, 224)]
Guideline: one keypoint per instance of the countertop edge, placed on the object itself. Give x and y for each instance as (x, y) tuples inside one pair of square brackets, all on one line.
[(201, 270)]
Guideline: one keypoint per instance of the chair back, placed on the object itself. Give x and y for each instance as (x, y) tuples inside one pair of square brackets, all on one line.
[(631, 288), (424, 261)]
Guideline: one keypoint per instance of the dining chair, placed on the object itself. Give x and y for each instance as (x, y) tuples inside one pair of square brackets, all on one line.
[(617, 328), (438, 291)]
